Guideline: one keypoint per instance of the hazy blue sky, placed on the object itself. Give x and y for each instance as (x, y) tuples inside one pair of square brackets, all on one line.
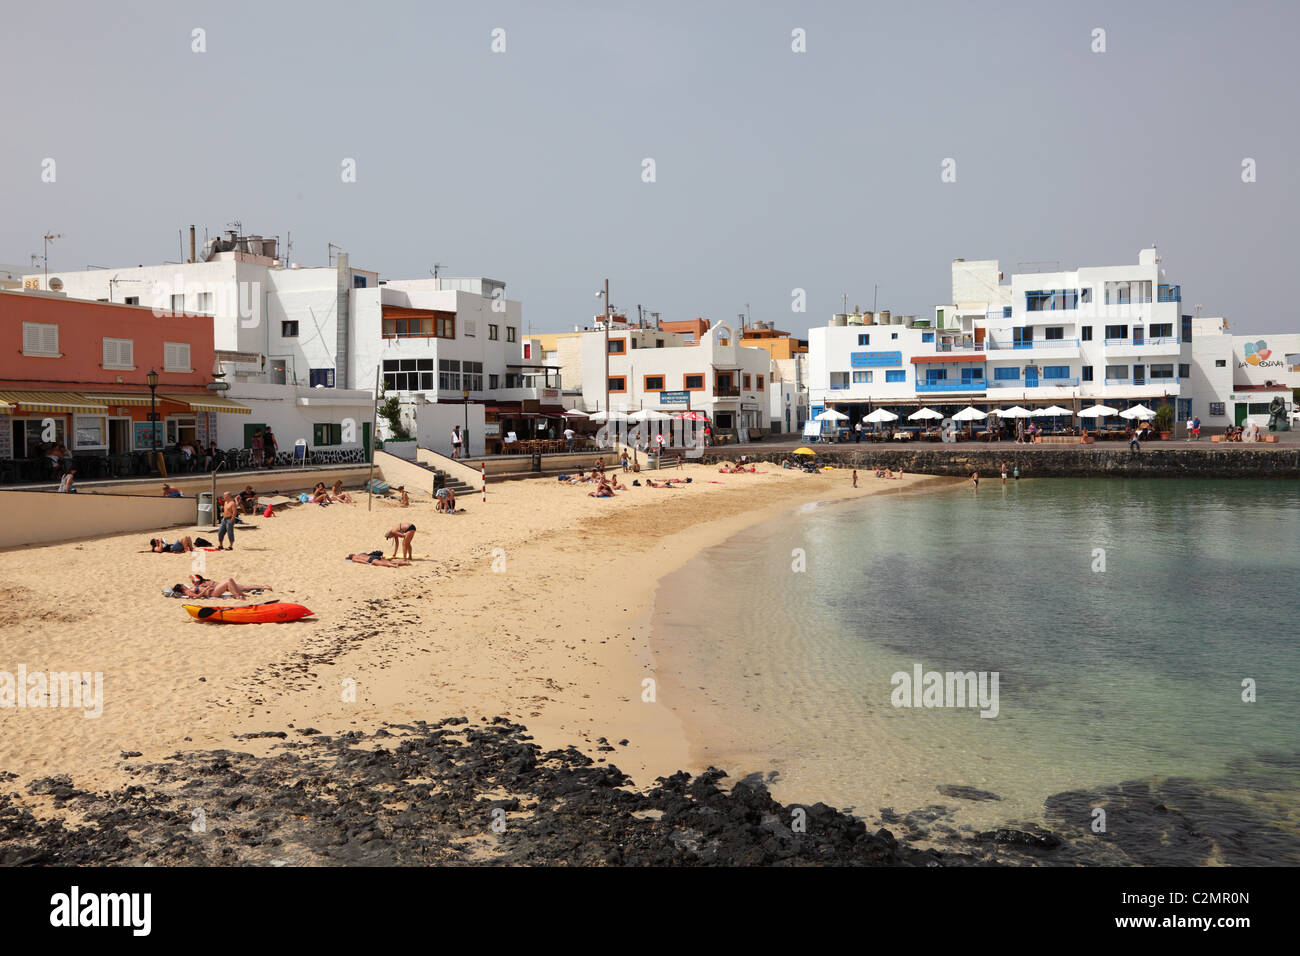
[(775, 170)]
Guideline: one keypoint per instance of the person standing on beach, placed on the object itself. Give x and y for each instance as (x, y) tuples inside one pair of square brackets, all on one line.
[(405, 534), (1004, 472), (270, 446), (455, 442), (855, 477), (229, 511), (975, 480)]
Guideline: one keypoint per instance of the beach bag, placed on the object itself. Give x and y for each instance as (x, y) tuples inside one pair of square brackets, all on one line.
[(202, 543), (304, 498)]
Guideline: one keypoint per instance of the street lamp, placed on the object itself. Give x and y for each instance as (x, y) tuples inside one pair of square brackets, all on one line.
[(464, 439), (605, 292), (152, 379)]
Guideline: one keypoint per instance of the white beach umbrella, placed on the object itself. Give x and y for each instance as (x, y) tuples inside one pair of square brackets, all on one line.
[(611, 416), (650, 415), (970, 414), (1137, 411), (1015, 411), (924, 413), (1051, 410), (1098, 411), (880, 415), (831, 415), (574, 413)]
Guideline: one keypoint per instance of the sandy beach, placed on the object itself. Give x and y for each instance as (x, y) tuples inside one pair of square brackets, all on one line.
[(533, 606)]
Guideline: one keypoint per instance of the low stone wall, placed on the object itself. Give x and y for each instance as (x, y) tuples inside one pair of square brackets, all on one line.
[(1067, 461), (44, 517)]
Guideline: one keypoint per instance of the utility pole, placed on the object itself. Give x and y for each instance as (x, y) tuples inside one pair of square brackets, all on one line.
[(49, 237), (605, 293)]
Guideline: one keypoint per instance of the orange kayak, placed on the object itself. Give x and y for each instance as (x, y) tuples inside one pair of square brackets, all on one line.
[(269, 613)]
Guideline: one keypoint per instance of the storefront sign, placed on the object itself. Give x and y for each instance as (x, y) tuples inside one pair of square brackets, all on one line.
[(674, 398), (141, 440), (875, 359), (492, 428)]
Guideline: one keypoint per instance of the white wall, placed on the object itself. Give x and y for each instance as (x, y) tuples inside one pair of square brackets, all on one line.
[(281, 407), (435, 422)]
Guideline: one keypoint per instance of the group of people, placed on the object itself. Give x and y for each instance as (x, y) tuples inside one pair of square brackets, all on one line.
[(324, 496)]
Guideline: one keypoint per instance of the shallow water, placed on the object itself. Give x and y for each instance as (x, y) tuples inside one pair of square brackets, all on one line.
[(1133, 672)]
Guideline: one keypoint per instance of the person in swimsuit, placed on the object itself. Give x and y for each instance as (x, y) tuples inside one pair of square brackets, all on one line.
[(338, 494), (207, 588), (319, 495), (402, 534), (229, 512), (160, 545), (975, 480), (376, 559)]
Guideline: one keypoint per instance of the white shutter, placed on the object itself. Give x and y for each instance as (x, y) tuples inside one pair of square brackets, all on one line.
[(119, 353), (176, 356), (40, 339)]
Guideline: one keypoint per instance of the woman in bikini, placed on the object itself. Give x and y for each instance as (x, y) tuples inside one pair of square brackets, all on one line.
[(376, 559), (403, 533), (207, 588), (338, 494), (160, 545), (319, 495)]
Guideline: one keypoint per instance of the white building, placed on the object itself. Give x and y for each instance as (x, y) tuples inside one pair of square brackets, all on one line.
[(1112, 334), (1236, 377), (655, 369)]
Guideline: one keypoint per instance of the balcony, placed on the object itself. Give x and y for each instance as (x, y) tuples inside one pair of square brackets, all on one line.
[(1170, 343), (1034, 344), (1169, 293), (951, 385), (1146, 381), (1039, 383), (959, 347), (732, 391)]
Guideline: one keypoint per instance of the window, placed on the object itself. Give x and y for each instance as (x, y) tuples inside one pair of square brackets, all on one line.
[(511, 333), (1217, 408), (659, 343), (899, 375), (205, 302), (289, 330), (933, 375), (927, 336), (1006, 312), (864, 338), (406, 375), (1085, 295), (617, 383), (358, 282), (445, 327), (893, 335), (441, 325), (1086, 373), (1116, 372), (654, 383), (1006, 375), (693, 383), (1161, 330), (1051, 300), (1184, 371), (494, 382), (1056, 371), (449, 375), (321, 376), (40, 339), (494, 333), (1022, 337), (1220, 363), (1054, 333), (470, 328), (970, 376), (1116, 332), (617, 346), (745, 381), (88, 431), (132, 300), (119, 353), (176, 357), (861, 378), (326, 433), (472, 376), (1162, 371), (1187, 328), (839, 380), (634, 343), (178, 303), (1087, 333), (758, 382)]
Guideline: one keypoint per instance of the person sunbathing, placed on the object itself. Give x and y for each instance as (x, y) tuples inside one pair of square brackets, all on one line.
[(603, 490), (160, 546), (376, 557), (616, 486), (207, 588), (889, 473), (338, 494), (319, 495)]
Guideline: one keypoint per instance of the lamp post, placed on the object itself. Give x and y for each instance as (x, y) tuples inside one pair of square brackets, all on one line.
[(464, 438), (152, 379), (605, 292)]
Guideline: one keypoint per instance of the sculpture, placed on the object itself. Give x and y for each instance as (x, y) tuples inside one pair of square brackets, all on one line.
[(1277, 417)]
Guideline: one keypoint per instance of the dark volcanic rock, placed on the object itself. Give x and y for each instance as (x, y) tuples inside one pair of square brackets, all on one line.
[(958, 792)]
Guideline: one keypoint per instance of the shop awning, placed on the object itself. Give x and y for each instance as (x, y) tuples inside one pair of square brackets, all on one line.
[(123, 399), (58, 402), (210, 403)]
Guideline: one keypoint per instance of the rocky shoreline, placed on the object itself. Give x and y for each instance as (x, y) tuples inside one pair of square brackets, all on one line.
[(462, 793)]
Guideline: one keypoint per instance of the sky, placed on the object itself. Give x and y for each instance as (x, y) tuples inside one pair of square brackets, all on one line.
[(774, 170)]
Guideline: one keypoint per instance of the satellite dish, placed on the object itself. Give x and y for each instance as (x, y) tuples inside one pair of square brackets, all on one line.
[(56, 284)]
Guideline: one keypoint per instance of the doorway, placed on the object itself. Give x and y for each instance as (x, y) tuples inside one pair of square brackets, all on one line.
[(119, 436)]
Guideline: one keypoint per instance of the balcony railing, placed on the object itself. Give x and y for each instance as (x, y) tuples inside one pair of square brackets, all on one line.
[(838, 386), (1143, 381), (1040, 383), (727, 391), (959, 347), (1170, 293), (1163, 340), (1034, 344), (951, 385)]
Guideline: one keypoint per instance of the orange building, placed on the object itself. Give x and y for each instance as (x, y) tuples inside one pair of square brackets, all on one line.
[(76, 373), (693, 329), (780, 345)]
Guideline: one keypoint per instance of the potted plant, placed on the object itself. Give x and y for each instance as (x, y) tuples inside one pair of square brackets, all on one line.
[(1165, 421)]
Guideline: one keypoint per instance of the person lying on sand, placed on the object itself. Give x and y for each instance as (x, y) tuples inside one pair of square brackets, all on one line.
[(338, 494), (376, 557), (207, 588), (603, 490), (160, 546), (403, 533)]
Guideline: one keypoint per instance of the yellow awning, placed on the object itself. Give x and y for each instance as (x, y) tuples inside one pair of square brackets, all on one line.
[(58, 402), (6, 408), (210, 403), (122, 399)]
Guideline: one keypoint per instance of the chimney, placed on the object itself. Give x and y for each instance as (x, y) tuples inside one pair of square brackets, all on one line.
[(191, 243)]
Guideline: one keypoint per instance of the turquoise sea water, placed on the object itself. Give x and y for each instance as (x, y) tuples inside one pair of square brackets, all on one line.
[(1134, 672)]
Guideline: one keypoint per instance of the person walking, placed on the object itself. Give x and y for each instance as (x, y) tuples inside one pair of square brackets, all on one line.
[(1196, 428), (257, 448), (269, 447), (857, 439), (855, 477), (975, 480), (568, 437), (455, 442), (65, 483), (229, 511)]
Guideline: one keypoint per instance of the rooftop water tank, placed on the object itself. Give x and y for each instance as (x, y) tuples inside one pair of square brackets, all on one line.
[(840, 318), (882, 317)]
